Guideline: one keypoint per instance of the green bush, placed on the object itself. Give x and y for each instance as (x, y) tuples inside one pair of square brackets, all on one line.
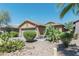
[(52, 34), (11, 46), (7, 45), (5, 36), (14, 34), (29, 35), (66, 38)]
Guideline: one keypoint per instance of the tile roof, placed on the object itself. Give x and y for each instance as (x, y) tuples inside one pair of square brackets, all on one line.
[(76, 21), (38, 24)]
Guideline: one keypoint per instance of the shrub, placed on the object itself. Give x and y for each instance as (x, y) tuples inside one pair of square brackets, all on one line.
[(29, 35), (10, 46), (13, 34), (5, 36), (7, 45), (19, 44), (69, 26), (76, 36), (66, 38), (52, 34)]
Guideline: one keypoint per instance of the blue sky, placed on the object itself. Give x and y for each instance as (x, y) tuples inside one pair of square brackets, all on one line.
[(41, 13)]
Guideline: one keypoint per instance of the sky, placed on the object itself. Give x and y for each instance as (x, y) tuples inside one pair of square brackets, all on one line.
[(37, 12)]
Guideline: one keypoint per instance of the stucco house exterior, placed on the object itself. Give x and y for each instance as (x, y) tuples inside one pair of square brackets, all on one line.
[(29, 25), (40, 29), (76, 27), (58, 26)]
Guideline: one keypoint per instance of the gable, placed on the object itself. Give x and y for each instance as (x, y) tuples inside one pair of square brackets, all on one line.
[(27, 25), (52, 23), (75, 21)]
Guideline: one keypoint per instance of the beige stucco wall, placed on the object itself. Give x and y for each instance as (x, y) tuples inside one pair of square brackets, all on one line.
[(27, 25), (60, 28), (76, 27), (39, 29)]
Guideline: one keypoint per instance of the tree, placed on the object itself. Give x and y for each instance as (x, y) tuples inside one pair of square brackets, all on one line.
[(4, 17), (66, 37), (69, 26), (67, 7)]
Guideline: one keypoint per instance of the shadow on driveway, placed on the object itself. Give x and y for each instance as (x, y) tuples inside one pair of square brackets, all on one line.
[(31, 41), (72, 50)]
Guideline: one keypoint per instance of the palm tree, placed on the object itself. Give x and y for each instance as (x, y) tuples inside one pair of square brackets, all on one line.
[(69, 26), (71, 6)]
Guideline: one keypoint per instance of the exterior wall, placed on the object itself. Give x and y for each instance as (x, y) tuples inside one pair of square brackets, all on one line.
[(24, 26), (76, 27), (37, 31), (28, 25), (60, 28), (41, 30), (20, 32)]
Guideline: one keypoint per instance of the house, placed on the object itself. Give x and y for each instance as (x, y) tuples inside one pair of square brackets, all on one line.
[(40, 29), (76, 26), (8, 28), (29, 25), (58, 26)]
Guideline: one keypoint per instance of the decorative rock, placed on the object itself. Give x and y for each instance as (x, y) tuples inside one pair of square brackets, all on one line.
[(55, 51)]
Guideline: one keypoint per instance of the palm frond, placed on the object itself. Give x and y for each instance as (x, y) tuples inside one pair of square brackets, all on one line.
[(60, 5), (77, 9), (66, 9)]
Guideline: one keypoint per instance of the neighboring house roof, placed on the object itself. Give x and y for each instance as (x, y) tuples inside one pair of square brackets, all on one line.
[(13, 26), (37, 24), (50, 23), (31, 23), (9, 26), (76, 21), (53, 23)]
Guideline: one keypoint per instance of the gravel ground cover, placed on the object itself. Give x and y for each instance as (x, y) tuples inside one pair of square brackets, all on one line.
[(45, 48), (38, 48)]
